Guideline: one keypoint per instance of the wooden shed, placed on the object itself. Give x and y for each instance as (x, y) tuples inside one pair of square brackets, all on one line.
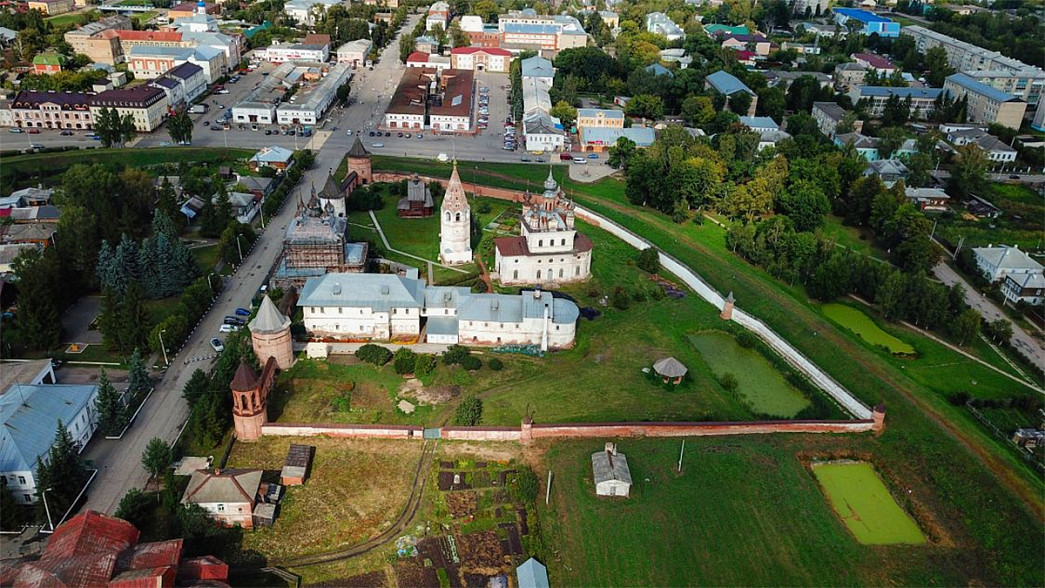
[(296, 467), (611, 473)]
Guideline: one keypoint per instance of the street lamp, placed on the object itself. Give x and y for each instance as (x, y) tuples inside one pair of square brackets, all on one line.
[(209, 282), (47, 509), (240, 247), (164, 348)]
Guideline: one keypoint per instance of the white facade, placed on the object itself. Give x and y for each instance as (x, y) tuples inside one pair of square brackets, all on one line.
[(284, 53), (354, 53), (254, 112), (305, 11), (549, 250), (447, 123), (455, 224), (998, 262), (404, 121)]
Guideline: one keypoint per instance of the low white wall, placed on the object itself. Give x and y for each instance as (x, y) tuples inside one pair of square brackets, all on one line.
[(705, 291)]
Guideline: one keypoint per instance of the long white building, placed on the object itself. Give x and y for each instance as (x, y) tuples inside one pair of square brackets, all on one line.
[(388, 307)]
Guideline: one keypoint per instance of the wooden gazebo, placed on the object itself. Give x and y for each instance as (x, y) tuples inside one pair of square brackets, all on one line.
[(670, 369)]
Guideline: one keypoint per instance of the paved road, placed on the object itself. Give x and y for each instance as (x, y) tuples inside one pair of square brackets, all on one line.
[(1029, 346), (166, 411)]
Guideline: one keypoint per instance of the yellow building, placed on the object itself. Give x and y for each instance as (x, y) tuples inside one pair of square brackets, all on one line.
[(599, 118), (52, 7)]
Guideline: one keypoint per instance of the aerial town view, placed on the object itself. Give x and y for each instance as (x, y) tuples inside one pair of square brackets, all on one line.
[(522, 293)]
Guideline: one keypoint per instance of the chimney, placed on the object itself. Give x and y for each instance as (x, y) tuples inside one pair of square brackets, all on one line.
[(336, 290), (384, 290)]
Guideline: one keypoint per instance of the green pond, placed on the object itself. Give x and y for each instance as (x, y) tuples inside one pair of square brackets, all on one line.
[(863, 503), (760, 385), (861, 324)]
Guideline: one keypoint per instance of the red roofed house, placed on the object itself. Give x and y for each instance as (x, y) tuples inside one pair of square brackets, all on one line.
[(879, 64), (422, 59), (481, 59), (93, 549)]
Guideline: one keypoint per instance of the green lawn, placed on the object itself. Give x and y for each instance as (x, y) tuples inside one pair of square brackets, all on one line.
[(861, 500), (762, 387), (978, 487), (64, 20), (861, 324), (743, 512), (851, 237), (206, 257)]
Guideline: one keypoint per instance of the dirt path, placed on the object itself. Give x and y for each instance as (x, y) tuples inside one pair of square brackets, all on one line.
[(1029, 495), (405, 519)]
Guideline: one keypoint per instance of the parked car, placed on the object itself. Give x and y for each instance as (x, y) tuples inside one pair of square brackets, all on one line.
[(34, 131), (371, 133), (222, 92), (580, 161), (349, 132), (36, 146), (400, 135), (378, 145), (593, 156), (539, 160), (242, 312), (66, 133), (16, 131), (228, 329), (234, 320), (268, 132), (216, 344), (420, 136), (525, 159), (565, 157)]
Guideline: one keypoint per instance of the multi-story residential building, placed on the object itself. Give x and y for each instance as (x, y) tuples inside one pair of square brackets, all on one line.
[(89, 41), (1022, 278), (528, 30), (438, 15), (962, 56), (152, 62), (873, 62), (600, 118), (1026, 84), (828, 115), (147, 105), (986, 104), (51, 110), (297, 52), (659, 23), (922, 100), (51, 7), (183, 83), (481, 59), (867, 23), (849, 75), (355, 53)]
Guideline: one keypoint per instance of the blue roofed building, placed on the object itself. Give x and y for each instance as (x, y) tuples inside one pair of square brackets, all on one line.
[(538, 68), (922, 100), (759, 124), (30, 414), (389, 307), (601, 138), (659, 70), (986, 104), (532, 574), (727, 84), (867, 23)]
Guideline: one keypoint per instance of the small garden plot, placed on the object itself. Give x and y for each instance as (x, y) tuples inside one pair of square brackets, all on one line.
[(861, 324), (762, 387), (480, 552), (863, 503)]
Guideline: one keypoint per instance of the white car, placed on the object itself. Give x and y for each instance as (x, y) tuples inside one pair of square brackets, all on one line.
[(216, 344), (349, 132), (378, 145), (228, 329)]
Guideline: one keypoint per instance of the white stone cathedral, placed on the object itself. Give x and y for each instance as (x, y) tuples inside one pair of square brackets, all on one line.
[(549, 250), (455, 224)]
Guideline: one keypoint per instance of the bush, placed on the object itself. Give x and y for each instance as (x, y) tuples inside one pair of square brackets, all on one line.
[(495, 364), (649, 260), (619, 299), (404, 361), (374, 354), (746, 339), (484, 208), (469, 413), (471, 363), (424, 364), (527, 486), (729, 382), (454, 354)]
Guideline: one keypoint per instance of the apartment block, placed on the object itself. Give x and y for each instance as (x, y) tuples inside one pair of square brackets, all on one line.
[(986, 104)]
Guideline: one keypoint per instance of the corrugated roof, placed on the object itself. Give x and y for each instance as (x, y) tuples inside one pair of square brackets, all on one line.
[(537, 67), (532, 574), (1007, 258), (978, 87), (929, 93), (30, 415), (90, 533), (642, 136), (607, 467), (380, 292), (861, 15), (727, 83), (230, 486)]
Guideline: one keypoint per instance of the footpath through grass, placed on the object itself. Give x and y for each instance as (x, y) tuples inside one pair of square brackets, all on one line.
[(980, 492)]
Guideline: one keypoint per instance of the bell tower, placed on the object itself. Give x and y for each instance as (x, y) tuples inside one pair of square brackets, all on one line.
[(455, 223), (359, 162), (250, 400)]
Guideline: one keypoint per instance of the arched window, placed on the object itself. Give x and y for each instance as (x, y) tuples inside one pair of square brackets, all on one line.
[(560, 272), (243, 401), (448, 215), (540, 243), (458, 216), (515, 275), (538, 274), (253, 400)]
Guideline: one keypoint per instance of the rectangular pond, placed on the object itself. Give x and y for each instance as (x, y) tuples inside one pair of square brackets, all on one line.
[(762, 387), (864, 504)]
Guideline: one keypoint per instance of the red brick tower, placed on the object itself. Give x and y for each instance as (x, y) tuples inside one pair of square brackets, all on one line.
[(270, 335), (727, 308), (359, 162), (249, 402)]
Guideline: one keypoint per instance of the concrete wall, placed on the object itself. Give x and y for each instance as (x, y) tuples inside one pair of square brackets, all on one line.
[(481, 433), (696, 429), (354, 431)]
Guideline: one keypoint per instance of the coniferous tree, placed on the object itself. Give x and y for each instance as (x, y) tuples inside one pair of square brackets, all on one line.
[(105, 269), (163, 223), (109, 321), (150, 259), (62, 476), (38, 318), (134, 318), (167, 202), (112, 414), (125, 263), (138, 375), (11, 512)]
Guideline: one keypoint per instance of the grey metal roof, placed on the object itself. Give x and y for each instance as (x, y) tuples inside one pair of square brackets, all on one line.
[(607, 467), (886, 91), (727, 83), (443, 325), (537, 67), (978, 87), (532, 574), (268, 319), (1007, 258), (229, 486), (380, 292), (30, 415)]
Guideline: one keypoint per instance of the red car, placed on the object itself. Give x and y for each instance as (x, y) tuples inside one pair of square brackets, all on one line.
[(34, 131), (565, 157)]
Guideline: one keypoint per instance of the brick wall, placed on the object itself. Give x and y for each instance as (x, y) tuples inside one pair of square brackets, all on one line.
[(696, 429), (353, 431), (481, 433), (487, 191)]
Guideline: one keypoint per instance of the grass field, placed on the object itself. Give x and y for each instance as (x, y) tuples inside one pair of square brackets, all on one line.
[(760, 384), (743, 512), (206, 257), (865, 505), (64, 20), (861, 324), (357, 488), (978, 487)]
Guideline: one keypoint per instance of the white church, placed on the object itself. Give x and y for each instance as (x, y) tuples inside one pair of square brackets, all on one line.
[(549, 249), (455, 224)]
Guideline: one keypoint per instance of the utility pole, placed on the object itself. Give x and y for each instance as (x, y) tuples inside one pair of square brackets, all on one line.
[(163, 347), (681, 453), (548, 491), (240, 248)]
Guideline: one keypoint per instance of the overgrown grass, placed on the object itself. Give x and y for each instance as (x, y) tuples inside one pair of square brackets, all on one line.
[(856, 321)]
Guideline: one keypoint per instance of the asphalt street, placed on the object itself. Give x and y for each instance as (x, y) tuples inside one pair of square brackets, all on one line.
[(1031, 347), (164, 415)]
